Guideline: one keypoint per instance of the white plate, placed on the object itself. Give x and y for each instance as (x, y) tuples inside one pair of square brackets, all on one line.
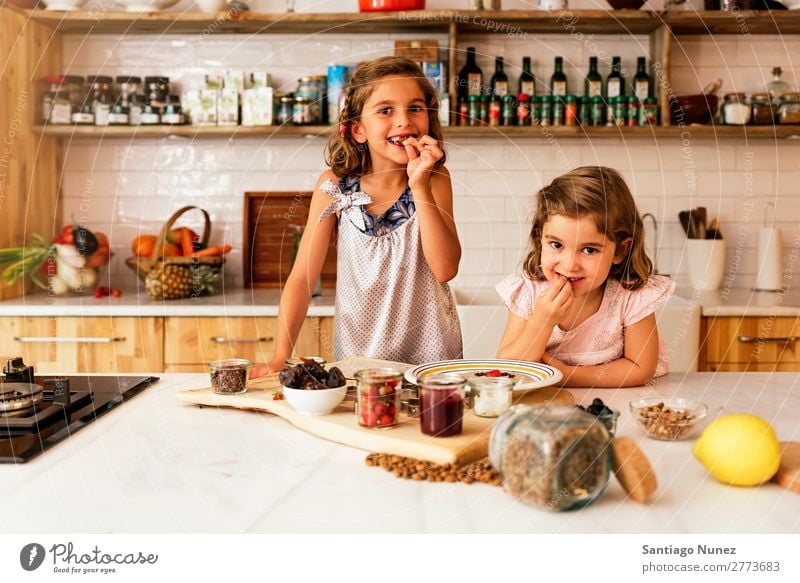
[(529, 375)]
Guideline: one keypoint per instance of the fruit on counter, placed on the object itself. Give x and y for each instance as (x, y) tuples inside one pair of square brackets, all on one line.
[(311, 375), (739, 449), (175, 282), (143, 245), (101, 292), (175, 236), (179, 242)]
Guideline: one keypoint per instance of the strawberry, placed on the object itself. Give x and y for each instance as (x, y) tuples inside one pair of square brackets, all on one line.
[(494, 373)]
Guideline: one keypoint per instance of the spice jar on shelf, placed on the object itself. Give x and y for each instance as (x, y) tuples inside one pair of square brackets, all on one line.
[(762, 111), (128, 87), (789, 110), (736, 110), (172, 114), (557, 458)]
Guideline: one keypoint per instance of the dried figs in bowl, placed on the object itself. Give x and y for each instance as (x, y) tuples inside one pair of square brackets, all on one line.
[(315, 402), (311, 389)]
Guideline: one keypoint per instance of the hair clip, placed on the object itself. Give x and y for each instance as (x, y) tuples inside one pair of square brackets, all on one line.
[(342, 129)]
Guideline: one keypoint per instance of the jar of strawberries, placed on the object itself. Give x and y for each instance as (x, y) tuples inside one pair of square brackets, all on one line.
[(378, 397)]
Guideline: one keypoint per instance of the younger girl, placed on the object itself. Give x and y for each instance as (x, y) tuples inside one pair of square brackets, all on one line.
[(586, 300), (388, 199)]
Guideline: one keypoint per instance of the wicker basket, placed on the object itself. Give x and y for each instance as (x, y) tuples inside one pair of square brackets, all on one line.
[(143, 265)]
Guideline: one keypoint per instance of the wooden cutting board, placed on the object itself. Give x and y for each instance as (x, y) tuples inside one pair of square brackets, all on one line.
[(788, 474), (341, 426)]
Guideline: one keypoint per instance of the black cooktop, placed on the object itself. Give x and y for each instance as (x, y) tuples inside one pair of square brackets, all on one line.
[(55, 417)]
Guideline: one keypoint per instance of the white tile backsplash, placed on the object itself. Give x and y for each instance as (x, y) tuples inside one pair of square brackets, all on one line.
[(128, 187)]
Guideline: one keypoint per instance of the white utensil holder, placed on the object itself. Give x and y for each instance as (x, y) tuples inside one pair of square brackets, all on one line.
[(706, 260)]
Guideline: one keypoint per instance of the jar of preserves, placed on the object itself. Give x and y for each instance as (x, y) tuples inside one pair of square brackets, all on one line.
[(378, 397), (156, 90), (285, 109), (735, 110), (172, 112), (557, 458), (789, 109), (762, 111), (441, 402)]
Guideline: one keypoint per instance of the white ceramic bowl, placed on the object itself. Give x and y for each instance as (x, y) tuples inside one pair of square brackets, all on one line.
[(316, 402), (146, 5), (64, 5), (791, 4), (211, 6)]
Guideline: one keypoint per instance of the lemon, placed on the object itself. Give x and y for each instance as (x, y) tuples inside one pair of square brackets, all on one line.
[(739, 449)]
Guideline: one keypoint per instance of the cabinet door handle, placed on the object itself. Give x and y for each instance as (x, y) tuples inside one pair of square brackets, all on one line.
[(68, 340), (754, 340), (223, 340)]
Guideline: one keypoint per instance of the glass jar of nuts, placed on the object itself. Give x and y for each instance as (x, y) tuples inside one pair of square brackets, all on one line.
[(557, 458)]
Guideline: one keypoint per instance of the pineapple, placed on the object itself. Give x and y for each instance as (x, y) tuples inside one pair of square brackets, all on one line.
[(174, 282)]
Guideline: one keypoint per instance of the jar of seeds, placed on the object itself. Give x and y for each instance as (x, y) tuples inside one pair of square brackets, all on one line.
[(229, 376), (557, 458)]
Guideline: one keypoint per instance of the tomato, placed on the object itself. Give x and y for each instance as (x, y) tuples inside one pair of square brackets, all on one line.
[(116, 293), (142, 246)]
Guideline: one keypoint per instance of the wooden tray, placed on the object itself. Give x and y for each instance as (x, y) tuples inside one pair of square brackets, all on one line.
[(341, 426)]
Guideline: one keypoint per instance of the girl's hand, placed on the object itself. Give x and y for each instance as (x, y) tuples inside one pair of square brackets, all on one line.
[(422, 154), (554, 304), (260, 370)]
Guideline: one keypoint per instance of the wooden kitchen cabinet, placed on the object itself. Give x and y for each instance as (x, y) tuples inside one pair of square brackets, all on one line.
[(75, 344), (191, 343), (754, 344)]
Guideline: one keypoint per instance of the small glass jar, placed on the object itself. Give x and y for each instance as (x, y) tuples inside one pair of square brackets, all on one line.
[(84, 115), (735, 110), (128, 87), (597, 111), (76, 87), (441, 401), (570, 111), (172, 112), (495, 109), (378, 397), (150, 116), (156, 90), (135, 109), (557, 458), (633, 110), (306, 87), (762, 111), (301, 111), (100, 92), (547, 110), (508, 110), (558, 110), (536, 110), (648, 112), (119, 115), (584, 111), (523, 109), (474, 109), (229, 376), (789, 109), (490, 396), (102, 114), (285, 109)]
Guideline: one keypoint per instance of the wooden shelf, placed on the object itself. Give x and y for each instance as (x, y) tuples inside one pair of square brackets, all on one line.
[(507, 22), (451, 133)]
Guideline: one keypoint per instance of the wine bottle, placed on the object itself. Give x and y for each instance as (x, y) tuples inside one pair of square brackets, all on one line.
[(641, 82), (499, 82), (615, 84), (470, 78), (558, 82), (593, 86), (527, 82)]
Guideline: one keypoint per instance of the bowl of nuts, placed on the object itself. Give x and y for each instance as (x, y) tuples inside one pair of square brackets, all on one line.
[(311, 389), (668, 419)]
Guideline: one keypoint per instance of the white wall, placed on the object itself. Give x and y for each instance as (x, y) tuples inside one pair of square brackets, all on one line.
[(126, 187)]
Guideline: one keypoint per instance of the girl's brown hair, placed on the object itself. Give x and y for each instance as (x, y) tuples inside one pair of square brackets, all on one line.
[(342, 153), (601, 193)]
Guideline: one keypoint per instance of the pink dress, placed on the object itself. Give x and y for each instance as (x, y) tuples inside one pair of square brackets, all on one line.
[(599, 338)]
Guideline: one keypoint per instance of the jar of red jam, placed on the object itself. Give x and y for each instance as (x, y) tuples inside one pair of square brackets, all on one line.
[(441, 402), (378, 397)]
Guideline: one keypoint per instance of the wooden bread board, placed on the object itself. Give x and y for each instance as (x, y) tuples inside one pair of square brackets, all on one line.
[(788, 475), (341, 426)]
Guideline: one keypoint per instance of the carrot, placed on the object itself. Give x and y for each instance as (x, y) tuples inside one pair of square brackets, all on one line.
[(186, 242), (213, 251)]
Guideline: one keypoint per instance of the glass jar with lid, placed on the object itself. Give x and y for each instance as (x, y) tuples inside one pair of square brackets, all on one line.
[(441, 402), (490, 396), (137, 103), (777, 87), (736, 110), (156, 90), (54, 91), (172, 112), (76, 88), (301, 110), (557, 458), (762, 112), (789, 109), (128, 87), (285, 108), (150, 116), (100, 91), (119, 115), (378, 397)]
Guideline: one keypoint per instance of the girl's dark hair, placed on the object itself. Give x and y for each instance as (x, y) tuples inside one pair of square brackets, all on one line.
[(601, 193), (342, 153)]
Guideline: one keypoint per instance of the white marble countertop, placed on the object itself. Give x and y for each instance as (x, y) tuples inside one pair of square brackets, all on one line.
[(233, 301), (155, 465), (743, 302)]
